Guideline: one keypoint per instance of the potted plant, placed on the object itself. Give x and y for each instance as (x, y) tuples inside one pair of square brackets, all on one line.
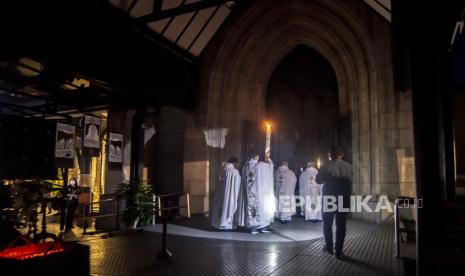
[(27, 195), (20, 255), (138, 198)]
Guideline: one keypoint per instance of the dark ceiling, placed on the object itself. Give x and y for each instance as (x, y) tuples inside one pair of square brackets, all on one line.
[(125, 63)]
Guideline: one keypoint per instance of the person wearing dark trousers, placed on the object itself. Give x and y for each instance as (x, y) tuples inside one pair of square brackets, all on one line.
[(336, 177), (72, 193)]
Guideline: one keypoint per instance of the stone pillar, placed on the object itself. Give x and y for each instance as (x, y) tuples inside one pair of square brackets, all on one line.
[(167, 172), (114, 174)]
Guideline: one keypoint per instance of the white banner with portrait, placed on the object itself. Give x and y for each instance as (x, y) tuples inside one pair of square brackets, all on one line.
[(91, 132), (64, 141), (115, 148)]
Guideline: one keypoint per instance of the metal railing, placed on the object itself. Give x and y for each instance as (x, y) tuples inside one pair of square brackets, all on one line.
[(90, 216), (159, 203), (158, 209), (165, 214), (403, 203)]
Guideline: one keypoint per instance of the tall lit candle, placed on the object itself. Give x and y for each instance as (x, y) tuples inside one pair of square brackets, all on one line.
[(268, 137)]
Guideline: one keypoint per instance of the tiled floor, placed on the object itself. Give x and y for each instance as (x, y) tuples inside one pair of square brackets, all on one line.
[(53, 227), (199, 226), (369, 247)]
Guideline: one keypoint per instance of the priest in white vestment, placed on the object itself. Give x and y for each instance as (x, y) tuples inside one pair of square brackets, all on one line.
[(225, 197), (311, 191), (256, 199), (285, 182)]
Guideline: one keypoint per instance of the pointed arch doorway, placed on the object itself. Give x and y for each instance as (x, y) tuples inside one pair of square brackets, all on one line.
[(302, 104)]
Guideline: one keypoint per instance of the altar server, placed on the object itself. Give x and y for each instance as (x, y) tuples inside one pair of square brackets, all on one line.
[(225, 197)]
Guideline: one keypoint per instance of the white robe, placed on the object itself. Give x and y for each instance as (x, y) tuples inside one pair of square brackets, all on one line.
[(256, 199), (225, 199), (285, 182), (312, 192)]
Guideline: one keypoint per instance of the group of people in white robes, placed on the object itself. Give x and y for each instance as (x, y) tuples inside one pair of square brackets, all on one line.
[(309, 191), (255, 197)]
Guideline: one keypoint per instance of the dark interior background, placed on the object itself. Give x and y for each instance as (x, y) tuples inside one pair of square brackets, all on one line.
[(302, 102)]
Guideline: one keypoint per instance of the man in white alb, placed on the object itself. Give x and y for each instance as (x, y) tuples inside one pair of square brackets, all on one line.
[(256, 199), (285, 182), (311, 191), (225, 197)]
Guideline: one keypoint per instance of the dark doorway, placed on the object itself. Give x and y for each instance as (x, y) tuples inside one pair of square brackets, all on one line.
[(302, 103)]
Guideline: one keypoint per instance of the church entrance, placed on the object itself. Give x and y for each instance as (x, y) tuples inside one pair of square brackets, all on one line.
[(302, 106)]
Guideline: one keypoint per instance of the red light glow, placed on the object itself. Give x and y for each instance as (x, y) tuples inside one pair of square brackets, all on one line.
[(32, 251)]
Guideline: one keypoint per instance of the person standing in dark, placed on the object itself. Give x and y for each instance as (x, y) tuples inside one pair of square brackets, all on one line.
[(336, 177), (72, 193)]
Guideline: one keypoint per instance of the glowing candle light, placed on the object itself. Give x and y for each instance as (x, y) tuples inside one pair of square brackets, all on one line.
[(318, 163), (268, 137)]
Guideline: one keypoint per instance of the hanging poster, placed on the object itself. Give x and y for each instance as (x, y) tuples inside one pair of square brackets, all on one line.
[(64, 141), (91, 132), (115, 148)]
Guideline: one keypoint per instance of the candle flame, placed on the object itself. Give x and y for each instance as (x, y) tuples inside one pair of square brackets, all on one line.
[(267, 124)]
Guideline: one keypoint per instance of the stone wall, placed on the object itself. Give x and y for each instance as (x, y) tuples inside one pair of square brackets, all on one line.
[(196, 169)]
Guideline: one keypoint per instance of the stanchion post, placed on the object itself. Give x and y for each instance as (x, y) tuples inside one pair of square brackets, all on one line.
[(116, 214), (188, 201), (159, 206), (64, 173), (85, 218), (154, 209), (396, 225), (165, 254)]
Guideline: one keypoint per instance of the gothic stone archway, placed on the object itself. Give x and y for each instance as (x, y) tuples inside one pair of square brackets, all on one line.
[(238, 64)]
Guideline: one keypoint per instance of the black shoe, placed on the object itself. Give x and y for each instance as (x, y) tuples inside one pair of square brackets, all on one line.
[(339, 255), (283, 221), (265, 230), (225, 230), (328, 250)]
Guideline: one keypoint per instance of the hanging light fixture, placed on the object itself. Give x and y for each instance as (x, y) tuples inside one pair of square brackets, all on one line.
[(76, 84), (29, 67)]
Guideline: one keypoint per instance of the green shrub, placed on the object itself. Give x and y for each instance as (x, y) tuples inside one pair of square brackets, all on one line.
[(138, 209)]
